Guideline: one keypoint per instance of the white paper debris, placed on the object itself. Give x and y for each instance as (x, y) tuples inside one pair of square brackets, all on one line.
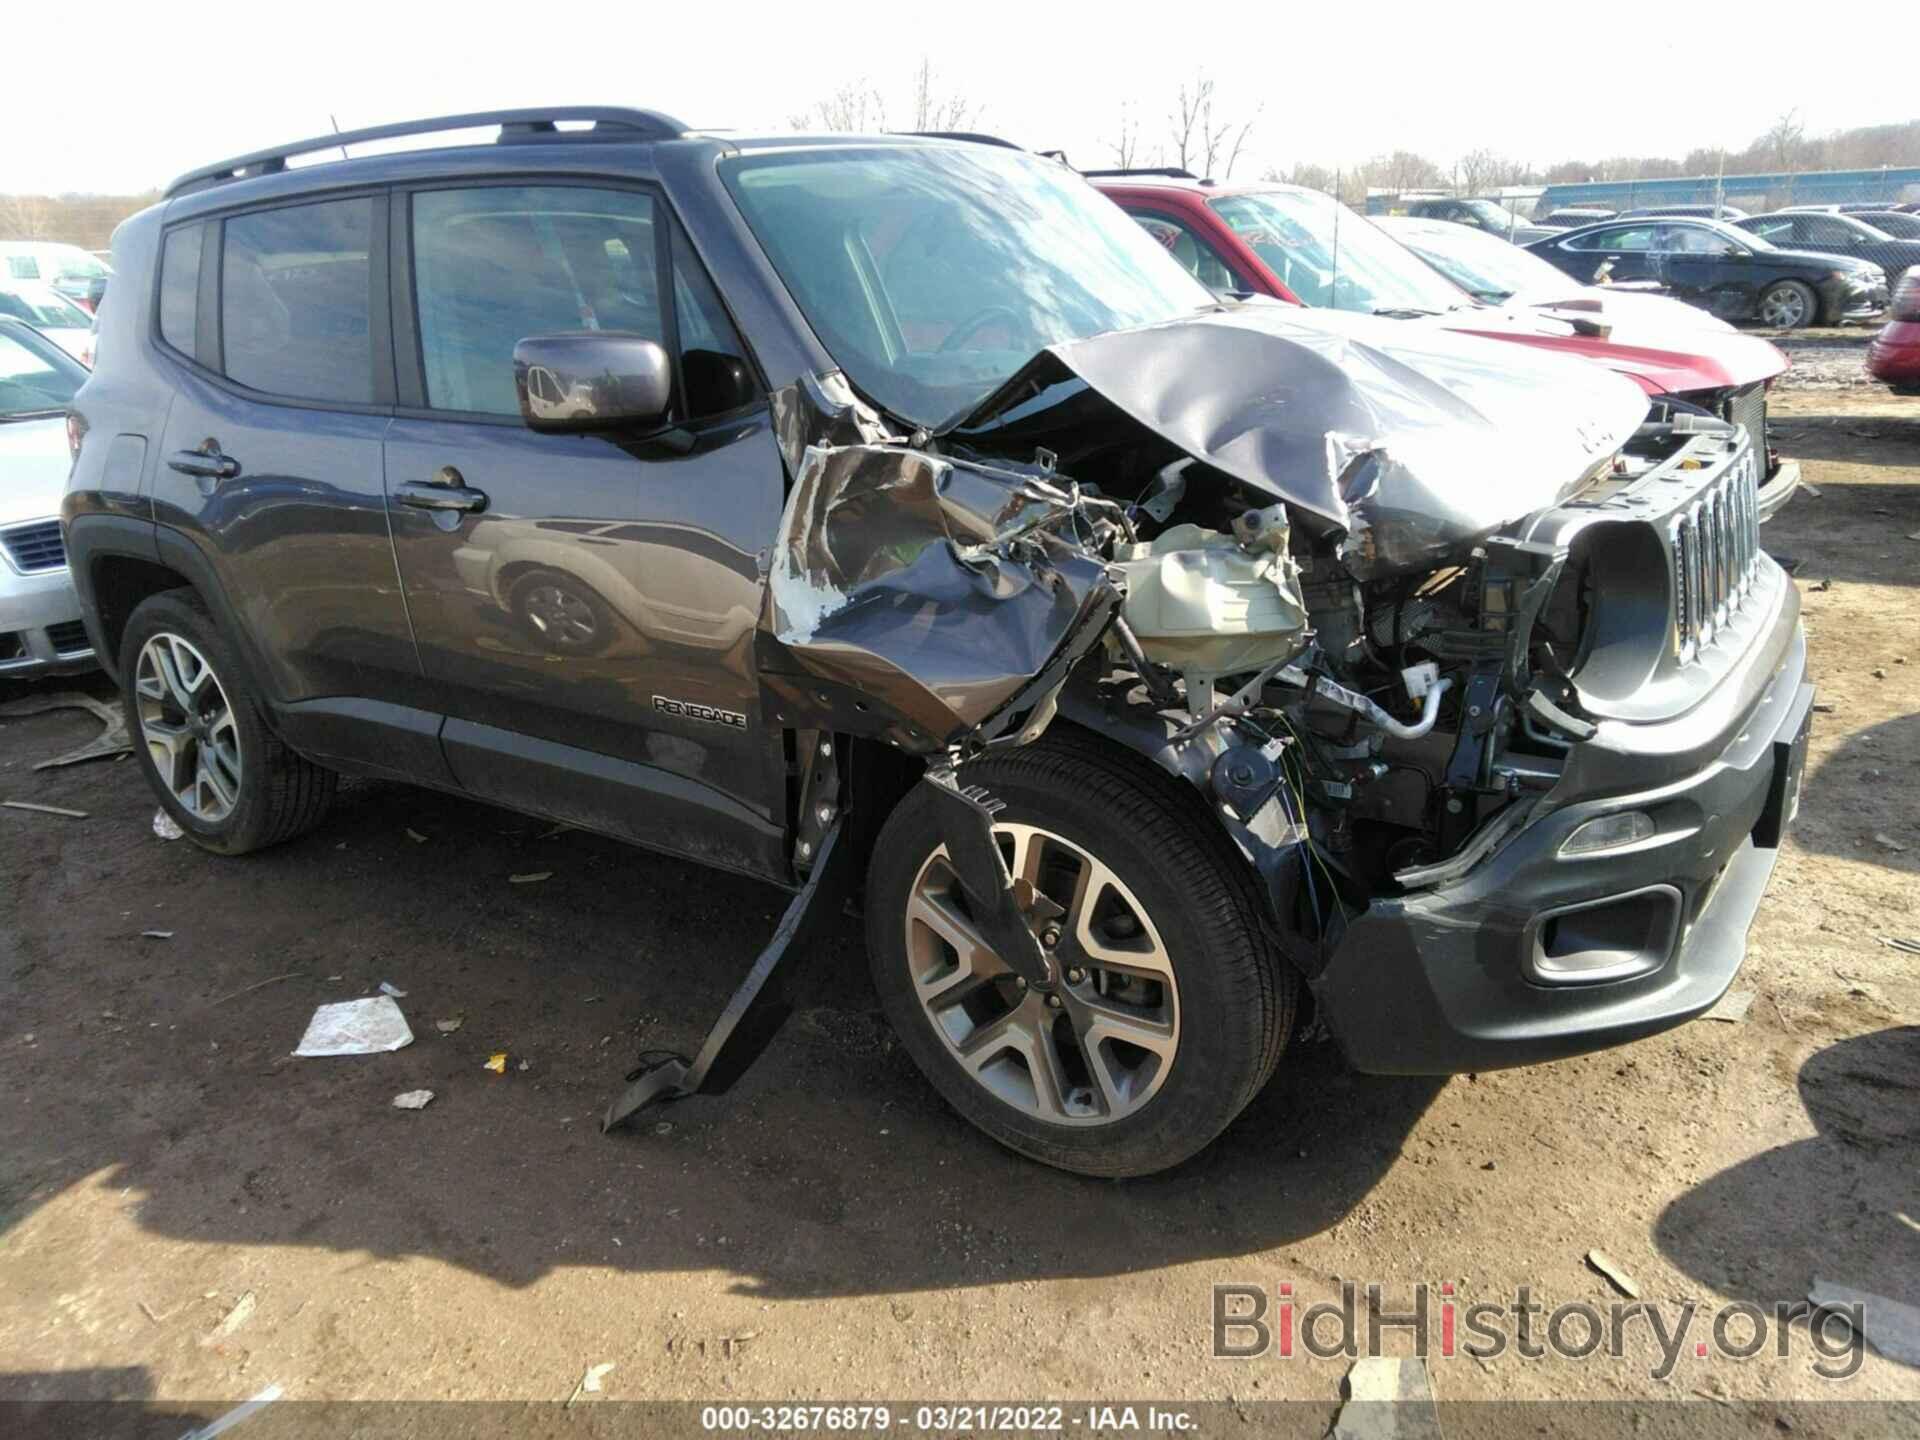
[(355, 1027), (1388, 1399), (413, 1100), (387, 987), (234, 1416), (165, 826), (1732, 1008), (590, 1382)]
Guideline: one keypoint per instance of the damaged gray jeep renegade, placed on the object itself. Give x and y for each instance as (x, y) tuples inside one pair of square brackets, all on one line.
[(892, 520)]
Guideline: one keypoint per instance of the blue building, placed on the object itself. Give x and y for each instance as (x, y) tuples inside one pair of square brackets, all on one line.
[(1749, 192)]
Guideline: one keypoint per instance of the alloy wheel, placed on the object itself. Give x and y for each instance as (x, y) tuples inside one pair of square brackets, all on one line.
[(1784, 308), (1095, 1046), (188, 727)]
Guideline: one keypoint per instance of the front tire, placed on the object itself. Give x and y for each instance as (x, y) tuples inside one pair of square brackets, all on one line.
[(1173, 1006), (1789, 305), (202, 736)]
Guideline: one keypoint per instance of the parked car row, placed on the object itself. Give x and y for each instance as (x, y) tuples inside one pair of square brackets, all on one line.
[(1305, 247), (1725, 269), (897, 514)]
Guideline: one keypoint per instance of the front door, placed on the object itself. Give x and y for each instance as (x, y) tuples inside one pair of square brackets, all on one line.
[(587, 616)]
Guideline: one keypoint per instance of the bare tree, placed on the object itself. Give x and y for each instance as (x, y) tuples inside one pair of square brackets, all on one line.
[(1473, 171), (1401, 171), (1308, 176), (1199, 139), (26, 217), (1783, 138), (1126, 145), (856, 106), (933, 111)]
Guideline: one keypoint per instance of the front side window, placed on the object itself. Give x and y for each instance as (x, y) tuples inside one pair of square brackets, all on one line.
[(293, 301), (1329, 256), (496, 264), (1696, 240), (23, 267), (180, 287), (933, 273), (1196, 257)]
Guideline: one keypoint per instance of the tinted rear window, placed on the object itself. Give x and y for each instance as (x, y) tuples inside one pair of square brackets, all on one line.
[(293, 299), (180, 287)]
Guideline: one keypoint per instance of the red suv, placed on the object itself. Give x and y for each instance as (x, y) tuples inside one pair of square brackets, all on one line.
[(1894, 355), (1303, 246)]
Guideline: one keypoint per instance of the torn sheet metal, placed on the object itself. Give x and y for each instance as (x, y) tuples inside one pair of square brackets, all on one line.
[(936, 590), (1409, 439)]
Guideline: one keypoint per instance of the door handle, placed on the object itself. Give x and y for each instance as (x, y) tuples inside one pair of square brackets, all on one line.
[(446, 491), (206, 462)]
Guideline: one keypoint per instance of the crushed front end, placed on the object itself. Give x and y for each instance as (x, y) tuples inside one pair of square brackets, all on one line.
[(1476, 661)]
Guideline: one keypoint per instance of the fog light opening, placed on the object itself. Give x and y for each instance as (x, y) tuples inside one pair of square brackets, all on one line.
[(1610, 832)]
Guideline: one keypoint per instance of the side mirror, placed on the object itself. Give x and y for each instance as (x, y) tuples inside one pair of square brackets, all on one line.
[(591, 380)]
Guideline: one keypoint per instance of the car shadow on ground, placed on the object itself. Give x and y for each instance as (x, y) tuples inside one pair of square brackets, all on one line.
[(1875, 821), (160, 1067), (1840, 1206)]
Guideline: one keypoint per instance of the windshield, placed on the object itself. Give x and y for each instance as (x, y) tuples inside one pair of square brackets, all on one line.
[(1494, 216), (1305, 237), (1482, 265), (35, 377), (933, 273), (45, 311)]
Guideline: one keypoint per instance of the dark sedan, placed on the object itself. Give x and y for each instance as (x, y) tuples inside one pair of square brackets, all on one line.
[(1731, 272), (1837, 235), (1488, 215), (1896, 223)]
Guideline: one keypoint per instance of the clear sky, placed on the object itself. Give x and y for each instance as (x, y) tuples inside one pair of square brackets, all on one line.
[(139, 93)]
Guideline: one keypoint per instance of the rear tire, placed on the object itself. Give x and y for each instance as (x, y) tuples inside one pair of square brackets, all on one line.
[(1173, 886), (193, 711)]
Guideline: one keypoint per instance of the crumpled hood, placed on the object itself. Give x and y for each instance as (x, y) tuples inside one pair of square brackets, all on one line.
[(1411, 439), (1662, 358), (34, 461)]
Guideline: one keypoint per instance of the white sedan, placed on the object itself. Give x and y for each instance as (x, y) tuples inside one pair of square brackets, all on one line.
[(40, 628), (53, 315)]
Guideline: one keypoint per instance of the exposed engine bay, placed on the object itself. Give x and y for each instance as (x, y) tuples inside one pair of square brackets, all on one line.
[(1370, 642)]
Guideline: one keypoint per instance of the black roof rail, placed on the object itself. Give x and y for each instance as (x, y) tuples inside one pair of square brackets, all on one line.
[(609, 123), (974, 137), (1165, 172)]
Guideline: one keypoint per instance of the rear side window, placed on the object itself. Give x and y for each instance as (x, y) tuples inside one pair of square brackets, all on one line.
[(180, 287), (294, 316), (23, 267)]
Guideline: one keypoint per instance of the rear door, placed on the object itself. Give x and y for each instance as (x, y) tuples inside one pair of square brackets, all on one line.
[(269, 489), (588, 622)]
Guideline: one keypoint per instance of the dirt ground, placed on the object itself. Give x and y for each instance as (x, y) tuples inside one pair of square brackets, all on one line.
[(187, 1214)]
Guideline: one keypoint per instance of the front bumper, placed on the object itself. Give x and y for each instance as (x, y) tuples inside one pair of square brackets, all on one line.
[(1857, 301), (1894, 355), (1460, 977), (40, 625)]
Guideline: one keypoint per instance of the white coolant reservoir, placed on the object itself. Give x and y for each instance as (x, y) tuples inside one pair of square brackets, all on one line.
[(1203, 603)]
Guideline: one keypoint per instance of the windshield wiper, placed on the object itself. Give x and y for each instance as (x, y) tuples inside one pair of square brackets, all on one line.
[(1402, 312), (30, 415)]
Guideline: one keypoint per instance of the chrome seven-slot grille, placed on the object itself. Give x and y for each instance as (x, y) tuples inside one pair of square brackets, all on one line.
[(35, 547), (1715, 540)]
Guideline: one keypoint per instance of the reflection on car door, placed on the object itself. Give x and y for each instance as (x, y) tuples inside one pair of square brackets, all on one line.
[(271, 466), (588, 620)]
